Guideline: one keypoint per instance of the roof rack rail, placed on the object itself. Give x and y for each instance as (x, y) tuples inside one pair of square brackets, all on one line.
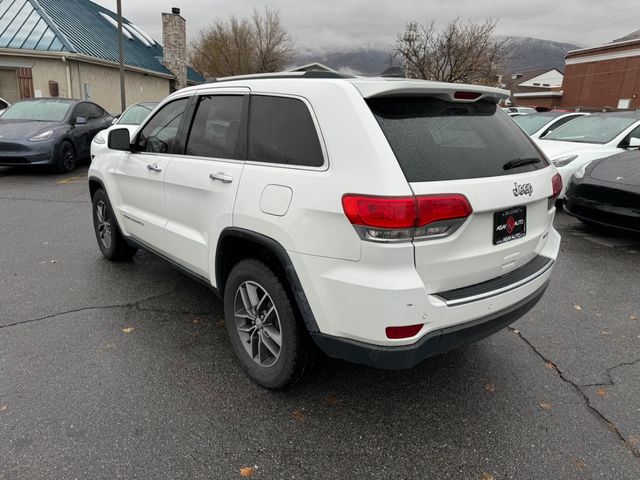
[(277, 75)]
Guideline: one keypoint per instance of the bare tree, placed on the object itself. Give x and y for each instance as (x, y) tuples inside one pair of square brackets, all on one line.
[(239, 46), (462, 52)]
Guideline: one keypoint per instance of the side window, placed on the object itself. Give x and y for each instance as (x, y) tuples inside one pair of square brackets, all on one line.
[(82, 110), (95, 111), (635, 133), (558, 124), (217, 130), (160, 133), (281, 130)]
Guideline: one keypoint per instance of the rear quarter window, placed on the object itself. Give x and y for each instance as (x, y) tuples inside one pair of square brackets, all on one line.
[(436, 140), (281, 130)]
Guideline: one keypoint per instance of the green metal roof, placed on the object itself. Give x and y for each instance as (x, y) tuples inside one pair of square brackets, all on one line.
[(78, 26)]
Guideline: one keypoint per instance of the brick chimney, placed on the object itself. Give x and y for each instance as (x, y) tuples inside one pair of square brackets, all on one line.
[(174, 39)]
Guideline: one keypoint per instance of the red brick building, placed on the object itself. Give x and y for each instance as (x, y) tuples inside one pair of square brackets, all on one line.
[(604, 76)]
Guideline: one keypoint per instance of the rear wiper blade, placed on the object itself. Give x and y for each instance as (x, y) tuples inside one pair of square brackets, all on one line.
[(521, 162)]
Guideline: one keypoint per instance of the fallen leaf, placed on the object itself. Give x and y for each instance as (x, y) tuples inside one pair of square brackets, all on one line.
[(550, 366), (331, 400), (54, 261), (605, 333), (220, 323), (128, 329), (246, 471), (602, 392), (195, 321), (490, 387), (579, 464), (634, 317), (3, 408), (486, 476), (516, 331), (577, 307), (298, 415), (634, 440), (545, 405)]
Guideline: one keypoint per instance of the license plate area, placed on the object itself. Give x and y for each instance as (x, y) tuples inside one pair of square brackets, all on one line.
[(509, 224)]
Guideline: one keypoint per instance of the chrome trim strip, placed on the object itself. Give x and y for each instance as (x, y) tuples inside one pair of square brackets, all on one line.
[(499, 291)]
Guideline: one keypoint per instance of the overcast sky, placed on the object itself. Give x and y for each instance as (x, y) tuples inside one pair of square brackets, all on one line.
[(353, 23)]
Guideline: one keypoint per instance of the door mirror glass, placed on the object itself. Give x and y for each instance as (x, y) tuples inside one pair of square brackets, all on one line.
[(119, 139), (80, 121)]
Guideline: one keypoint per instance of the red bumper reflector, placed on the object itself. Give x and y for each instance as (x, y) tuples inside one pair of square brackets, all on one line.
[(405, 331)]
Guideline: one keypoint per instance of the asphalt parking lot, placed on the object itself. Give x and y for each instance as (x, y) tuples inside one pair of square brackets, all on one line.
[(124, 371)]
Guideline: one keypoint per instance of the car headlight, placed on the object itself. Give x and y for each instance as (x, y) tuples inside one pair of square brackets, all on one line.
[(41, 137), (581, 171), (99, 138), (563, 161)]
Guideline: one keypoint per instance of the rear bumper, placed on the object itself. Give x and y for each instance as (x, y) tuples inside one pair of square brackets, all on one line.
[(433, 343)]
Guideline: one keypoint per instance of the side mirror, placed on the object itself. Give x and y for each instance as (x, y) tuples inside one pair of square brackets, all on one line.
[(80, 121), (119, 139), (634, 142), (115, 120)]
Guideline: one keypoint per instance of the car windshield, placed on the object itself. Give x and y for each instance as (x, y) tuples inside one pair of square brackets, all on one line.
[(532, 123), (135, 114), (598, 129), (38, 110)]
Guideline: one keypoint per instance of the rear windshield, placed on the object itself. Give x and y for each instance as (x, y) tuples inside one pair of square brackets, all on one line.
[(599, 129), (437, 140)]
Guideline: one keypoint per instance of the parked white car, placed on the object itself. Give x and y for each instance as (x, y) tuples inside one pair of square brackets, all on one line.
[(130, 119), (589, 138), (381, 220), (538, 125)]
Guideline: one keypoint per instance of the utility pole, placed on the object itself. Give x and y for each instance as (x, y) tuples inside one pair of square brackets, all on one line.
[(123, 102)]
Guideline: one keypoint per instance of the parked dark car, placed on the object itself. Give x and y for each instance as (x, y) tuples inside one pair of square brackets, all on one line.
[(606, 192), (50, 131)]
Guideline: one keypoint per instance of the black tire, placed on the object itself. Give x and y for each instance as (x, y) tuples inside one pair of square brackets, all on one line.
[(111, 242), (297, 351), (67, 159)]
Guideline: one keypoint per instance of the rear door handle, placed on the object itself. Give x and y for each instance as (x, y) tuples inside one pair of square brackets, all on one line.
[(154, 167), (224, 178)]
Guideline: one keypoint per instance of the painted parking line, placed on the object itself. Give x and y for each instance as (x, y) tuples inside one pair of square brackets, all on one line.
[(76, 179)]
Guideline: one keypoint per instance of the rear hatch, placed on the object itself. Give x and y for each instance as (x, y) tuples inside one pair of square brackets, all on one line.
[(471, 148)]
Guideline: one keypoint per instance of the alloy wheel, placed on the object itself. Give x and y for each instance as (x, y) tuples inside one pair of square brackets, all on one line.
[(258, 324), (103, 224), (68, 157)]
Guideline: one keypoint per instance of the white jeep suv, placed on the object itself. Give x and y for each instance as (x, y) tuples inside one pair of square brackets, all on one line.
[(382, 221)]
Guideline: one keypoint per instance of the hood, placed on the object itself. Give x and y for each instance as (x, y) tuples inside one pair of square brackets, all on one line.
[(623, 169), (23, 129), (555, 149)]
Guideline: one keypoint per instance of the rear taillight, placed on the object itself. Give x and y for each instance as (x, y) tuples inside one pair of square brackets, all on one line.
[(404, 218), (556, 188), (406, 331)]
